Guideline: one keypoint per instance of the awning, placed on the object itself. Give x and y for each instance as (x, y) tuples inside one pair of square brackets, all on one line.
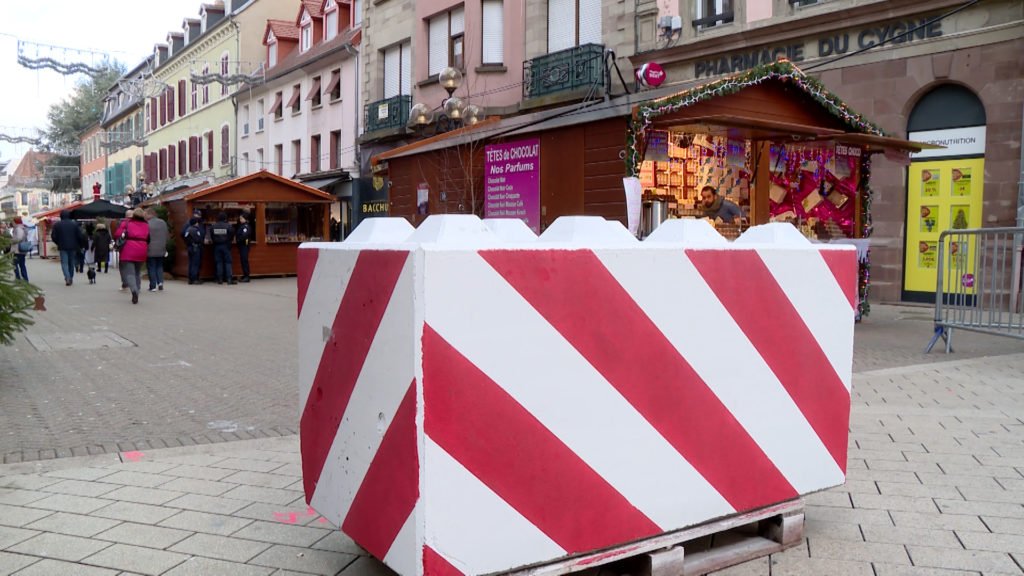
[(314, 90), (872, 142), (335, 80), (295, 97), (276, 106), (324, 183)]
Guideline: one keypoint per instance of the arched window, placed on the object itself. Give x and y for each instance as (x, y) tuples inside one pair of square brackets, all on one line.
[(946, 106)]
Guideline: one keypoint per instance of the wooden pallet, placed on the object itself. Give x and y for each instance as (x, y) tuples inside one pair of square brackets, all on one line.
[(692, 551)]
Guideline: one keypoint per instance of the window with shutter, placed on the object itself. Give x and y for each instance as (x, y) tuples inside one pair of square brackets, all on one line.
[(172, 161), (163, 108), (335, 145), (193, 153), (297, 156), (170, 105), (163, 163), (195, 95), (456, 41), (493, 41), (225, 145), (206, 87), (224, 67), (331, 28), (437, 44), (357, 12), (314, 153), (589, 22), (182, 110), (561, 24), (182, 158), (392, 71), (209, 150), (405, 87)]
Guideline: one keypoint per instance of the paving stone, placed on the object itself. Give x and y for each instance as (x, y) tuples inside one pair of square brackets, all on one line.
[(857, 551), (896, 466), (896, 570), (261, 479), (265, 495), (830, 498), (883, 476), (958, 480), (69, 503), (11, 563), (197, 460), (233, 549), (73, 524), (208, 566), (133, 512), (882, 502), (937, 521), (918, 490), (756, 567), (211, 504), (293, 469), (1003, 525), (136, 559), (144, 535), (786, 564), (27, 481), (198, 486), (49, 567), (816, 527), (990, 541), (905, 535), (277, 533), (248, 464), (853, 516), (337, 541), (980, 508), (155, 496), (367, 566), (19, 515), (303, 560), (992, 495), (84, 474), (81, 488), (147, 467), (15, 497), (141, 479), (958, 559), (11, 536), (206, 522), (200, 472), (59, 546), (300, 515)]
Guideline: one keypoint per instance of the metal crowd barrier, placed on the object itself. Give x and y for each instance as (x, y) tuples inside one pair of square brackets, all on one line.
[(979, 284)]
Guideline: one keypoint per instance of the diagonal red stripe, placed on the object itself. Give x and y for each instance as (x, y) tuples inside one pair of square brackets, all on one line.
[(307, 258), (435, 565), (388, 492), (843, 264), (510, 451), (765, 314), (584, 302), (355, 325)]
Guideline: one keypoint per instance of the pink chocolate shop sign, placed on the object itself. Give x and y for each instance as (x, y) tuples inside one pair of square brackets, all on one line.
[(512, 181)]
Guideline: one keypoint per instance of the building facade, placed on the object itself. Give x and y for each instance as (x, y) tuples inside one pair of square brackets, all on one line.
[(937, 71), (123, 133), (93, 158)]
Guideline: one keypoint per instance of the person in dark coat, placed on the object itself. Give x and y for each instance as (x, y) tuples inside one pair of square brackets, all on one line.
[(101, 247), (69, 238), (194, 234), (243, 236), (221, 234)]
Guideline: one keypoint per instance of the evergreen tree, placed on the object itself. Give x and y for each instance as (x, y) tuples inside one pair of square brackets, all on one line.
[(16, 297)]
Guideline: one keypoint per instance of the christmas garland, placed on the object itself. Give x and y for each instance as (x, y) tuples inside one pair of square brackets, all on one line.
[(864, 276), (782, 69)]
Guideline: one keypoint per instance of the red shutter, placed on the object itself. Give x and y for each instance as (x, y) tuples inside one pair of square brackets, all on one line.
[(163, 108), (170, 104), (152, 114), (181, 98), (163, 163), (193, 153), (209, 149), (147, 169), (182, 157), (225, 147), (172, 161)]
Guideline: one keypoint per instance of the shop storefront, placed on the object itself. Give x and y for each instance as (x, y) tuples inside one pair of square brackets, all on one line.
[(286, 214)]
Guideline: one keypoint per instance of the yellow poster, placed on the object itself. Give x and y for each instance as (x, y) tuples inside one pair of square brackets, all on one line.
[(930, 180), (961, 178), (941, 195)]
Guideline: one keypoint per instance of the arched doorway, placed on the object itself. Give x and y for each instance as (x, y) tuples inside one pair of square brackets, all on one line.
[(944, 186)]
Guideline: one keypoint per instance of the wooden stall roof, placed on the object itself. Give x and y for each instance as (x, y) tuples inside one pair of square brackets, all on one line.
[(54, 212), (262, 186)]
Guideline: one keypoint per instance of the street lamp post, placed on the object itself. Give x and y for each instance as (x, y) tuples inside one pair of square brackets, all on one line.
[(451, 114)]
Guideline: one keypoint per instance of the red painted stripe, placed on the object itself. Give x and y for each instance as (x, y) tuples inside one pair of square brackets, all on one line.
[(435, 565), (765, 314), (843, 264), (305, 265), (388, 492), (584, 302), (510, 451), (366, 298)]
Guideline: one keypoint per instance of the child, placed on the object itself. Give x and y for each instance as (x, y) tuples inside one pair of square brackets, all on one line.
[(90, 261)]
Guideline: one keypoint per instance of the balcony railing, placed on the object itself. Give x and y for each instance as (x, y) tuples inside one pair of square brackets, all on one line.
[(388, 113), (563, 71)]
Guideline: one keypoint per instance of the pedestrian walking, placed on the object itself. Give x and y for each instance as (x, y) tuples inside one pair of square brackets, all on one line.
[(101, 247), (220, 235), (243, 236), (158, 235), (20, 247), (69, 238), (194, 236), (135, 232)]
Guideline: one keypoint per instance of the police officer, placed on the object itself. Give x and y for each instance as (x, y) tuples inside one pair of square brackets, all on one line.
[(243, 235), (221, 234), (194, 236)]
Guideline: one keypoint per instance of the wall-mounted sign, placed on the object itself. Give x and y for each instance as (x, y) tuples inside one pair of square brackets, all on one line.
[(957, 142), (512, 181), (893, 33), (650, 75)]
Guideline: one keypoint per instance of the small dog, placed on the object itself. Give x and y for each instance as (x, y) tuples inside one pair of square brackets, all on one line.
[(91, 273)]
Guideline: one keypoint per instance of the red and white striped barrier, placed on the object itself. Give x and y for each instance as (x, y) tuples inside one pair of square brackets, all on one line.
[(475, 399)]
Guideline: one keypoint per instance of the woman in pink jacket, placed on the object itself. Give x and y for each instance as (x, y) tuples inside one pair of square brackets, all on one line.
[(133, 253)]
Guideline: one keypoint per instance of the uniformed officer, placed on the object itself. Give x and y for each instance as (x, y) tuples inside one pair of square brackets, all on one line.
[(221, 234), (194, 236), (243, 235)]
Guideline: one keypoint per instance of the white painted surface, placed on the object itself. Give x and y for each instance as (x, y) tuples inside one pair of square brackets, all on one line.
[(686, 232), (957, 141)]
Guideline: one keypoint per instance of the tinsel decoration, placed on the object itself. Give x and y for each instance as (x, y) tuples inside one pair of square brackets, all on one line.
[(39, 61), (864, 278), (782, 69)]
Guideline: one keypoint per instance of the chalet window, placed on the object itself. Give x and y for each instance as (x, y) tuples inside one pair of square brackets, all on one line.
[(314, 93), (398, 70), (712, 13), (445, 40), (493, 40), (333, 89), (573, 23), (272, 54), (305, 32), (225, 145)]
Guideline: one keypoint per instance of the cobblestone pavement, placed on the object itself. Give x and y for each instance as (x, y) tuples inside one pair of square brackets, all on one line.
[(935, 488)]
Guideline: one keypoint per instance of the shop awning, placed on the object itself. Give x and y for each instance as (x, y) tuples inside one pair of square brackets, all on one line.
[(296, 92), (872, 142), (322, 183), (335, 80), (314, 90), (276, 105)]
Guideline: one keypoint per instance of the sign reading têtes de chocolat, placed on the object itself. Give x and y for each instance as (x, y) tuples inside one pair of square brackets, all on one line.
[(893, 33)]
